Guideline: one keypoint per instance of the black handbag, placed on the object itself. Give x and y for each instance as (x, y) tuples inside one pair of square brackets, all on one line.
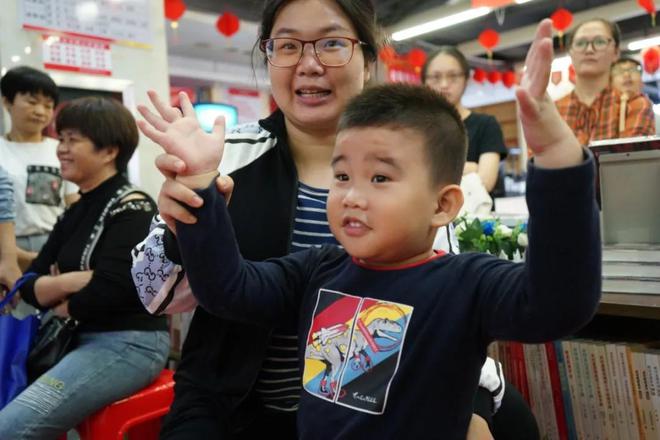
[(54, 339)]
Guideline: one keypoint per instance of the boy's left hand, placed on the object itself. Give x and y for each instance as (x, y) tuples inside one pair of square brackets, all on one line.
[(547, 134)]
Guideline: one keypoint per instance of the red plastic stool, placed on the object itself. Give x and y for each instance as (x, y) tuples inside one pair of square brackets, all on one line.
[(137, 415)]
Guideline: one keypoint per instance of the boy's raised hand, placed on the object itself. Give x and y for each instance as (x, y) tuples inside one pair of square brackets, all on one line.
[(547, 135), (180, 135)]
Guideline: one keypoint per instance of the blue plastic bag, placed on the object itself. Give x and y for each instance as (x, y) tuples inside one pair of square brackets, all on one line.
[(16, 337)]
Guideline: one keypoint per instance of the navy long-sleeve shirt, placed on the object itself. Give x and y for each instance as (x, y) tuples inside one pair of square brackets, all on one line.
[(396, 353)]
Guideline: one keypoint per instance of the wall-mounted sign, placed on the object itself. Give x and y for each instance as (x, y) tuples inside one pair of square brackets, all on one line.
[(74, 54), (117, 21)]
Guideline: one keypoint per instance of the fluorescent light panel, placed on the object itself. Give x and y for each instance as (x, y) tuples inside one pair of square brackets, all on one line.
[(440, 23), (642, 44)]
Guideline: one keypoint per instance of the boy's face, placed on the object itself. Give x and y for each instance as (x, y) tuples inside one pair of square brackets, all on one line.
[(30, 113), (382, 202), (627, 78)]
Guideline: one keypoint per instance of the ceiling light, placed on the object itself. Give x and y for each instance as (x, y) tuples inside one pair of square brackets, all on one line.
[(522, 2), (440, 23), (642, 44), (27, 50), (15, 59)]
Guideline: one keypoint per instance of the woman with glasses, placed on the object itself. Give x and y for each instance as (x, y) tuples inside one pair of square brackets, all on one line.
[(594, 109), (236, 380), (447, 71)]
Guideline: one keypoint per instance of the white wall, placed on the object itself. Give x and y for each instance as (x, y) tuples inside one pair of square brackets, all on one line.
[(134, 71)]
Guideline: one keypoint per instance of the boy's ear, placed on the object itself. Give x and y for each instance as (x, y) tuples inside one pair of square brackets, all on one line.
[(450, 201)]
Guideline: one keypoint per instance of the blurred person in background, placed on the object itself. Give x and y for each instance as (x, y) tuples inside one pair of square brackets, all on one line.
[(594, 109), (627, 77)]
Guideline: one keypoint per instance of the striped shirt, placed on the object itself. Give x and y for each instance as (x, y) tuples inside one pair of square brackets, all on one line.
[(601, 119), (279, 381)]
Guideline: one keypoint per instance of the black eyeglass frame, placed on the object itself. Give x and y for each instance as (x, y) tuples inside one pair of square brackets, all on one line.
[(354, 41), (592, 44)]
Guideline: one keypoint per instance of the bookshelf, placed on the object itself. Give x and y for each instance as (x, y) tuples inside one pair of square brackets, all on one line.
[(630, 305)]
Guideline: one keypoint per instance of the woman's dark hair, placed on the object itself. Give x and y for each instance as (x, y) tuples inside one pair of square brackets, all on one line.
[(452, 52), (361, 13), (24, 79), (610, 25), (103, 120)]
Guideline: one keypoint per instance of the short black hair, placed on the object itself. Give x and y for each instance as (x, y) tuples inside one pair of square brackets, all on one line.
[(622, 60), (105, 121), (610, 25), (361, 14), (418, 108), (24, 79), (451, 51)]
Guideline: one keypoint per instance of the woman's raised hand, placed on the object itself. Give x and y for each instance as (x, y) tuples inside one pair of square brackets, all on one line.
[(547, 135), (178, 132)]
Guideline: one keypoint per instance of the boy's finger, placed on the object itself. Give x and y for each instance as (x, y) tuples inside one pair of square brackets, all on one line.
[(528, 106), (171, 210), (181, 193), (169, 165), (156, 121), (540, 74), (186, 106), (169, 113), (150, 132), (225, 185)]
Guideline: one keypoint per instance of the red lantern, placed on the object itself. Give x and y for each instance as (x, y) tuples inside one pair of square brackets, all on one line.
[(174, 9), (494, 77), (561, 20), (489, 39), (649, 6), (508, 79), (417, 57), (387, 54), (227, 24), (651, 59), (479, 75)]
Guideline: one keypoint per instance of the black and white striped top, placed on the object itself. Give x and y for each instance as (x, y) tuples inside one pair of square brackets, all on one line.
[(279, 382)]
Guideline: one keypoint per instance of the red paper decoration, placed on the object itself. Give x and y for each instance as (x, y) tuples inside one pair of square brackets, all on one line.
[(227, 24), (417, 57), (508, 79), (651, 59), (387, 54), (494, 77), (648, 6), (489, 39), (561, 19), (174, 9), (571, 73), (479, 75)]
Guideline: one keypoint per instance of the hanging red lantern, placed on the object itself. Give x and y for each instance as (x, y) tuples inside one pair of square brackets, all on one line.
[(561, 20), (227, 24), (387, 54), (508, 79), (648, 6), (416, 57), (651, 59), (479, 75), (174, 9), (494, 77), (489, 39)]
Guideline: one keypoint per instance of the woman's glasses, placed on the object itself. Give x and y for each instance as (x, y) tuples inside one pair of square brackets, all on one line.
[(330, 51), (599, 44), (450, 77)]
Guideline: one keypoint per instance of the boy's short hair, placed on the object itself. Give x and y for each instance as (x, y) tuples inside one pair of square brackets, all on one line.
[(623, 60), (24, 79), (418, 108), (105, 121)]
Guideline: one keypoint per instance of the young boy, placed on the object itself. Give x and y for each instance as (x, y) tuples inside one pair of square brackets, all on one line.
[(395, 333)]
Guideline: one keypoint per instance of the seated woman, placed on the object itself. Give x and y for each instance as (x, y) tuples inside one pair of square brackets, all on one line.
[(447, 71), (594, 110), (84, 273)]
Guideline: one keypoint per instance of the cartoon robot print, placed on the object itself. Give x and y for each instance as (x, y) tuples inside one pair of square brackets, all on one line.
[(353, 349)]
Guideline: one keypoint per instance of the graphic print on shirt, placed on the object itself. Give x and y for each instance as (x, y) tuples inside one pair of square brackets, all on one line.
[(43, 185), (353, 349)]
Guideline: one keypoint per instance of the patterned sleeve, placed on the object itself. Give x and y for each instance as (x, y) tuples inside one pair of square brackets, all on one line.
[(161, 284), (6, 197), (640, 119)]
